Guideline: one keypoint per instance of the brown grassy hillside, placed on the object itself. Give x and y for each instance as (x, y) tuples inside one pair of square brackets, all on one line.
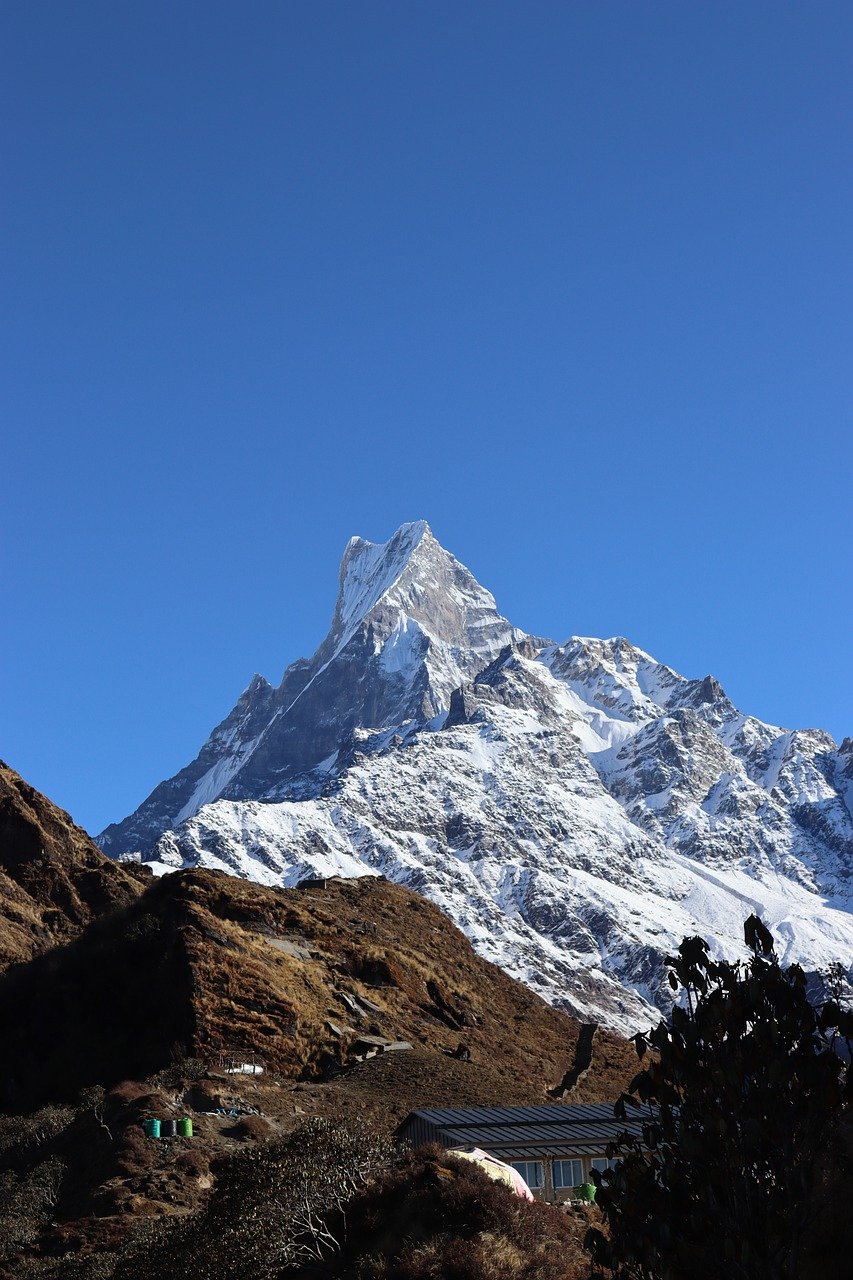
[(53, 878), (201, 961)]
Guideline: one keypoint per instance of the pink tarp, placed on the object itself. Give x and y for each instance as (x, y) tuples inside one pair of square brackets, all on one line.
[(496, 1169)]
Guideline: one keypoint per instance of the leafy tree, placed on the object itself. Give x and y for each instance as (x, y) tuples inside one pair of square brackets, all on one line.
[(745, 1094)]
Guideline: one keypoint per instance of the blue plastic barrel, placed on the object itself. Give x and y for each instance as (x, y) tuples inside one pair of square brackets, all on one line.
[(151, 1127)]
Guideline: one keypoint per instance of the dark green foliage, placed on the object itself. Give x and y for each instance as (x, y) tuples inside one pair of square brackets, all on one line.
[(747, 1100)]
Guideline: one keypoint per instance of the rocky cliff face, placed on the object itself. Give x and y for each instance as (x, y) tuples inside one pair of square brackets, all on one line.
[(410, 625), (575, 808)]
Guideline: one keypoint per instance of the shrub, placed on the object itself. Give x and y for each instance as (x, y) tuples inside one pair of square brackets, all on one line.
[(431, 1216), (746, 1103), (136, 1153), (192, 1163), (181, 1072), (25, 1204), (268, 1212), (127, 1091), (254, 1127), (20, 1134)]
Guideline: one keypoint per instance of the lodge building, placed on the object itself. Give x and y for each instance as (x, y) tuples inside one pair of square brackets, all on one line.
[(553, 1148)]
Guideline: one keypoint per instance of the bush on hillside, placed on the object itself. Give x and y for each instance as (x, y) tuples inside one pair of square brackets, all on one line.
[(20, 1135), (26, 1202), (268, 1212), (430, 1216), (254, 1128)]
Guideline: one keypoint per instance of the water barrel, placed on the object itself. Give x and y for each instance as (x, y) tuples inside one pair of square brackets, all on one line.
[(586, 1191), (185, 1127), (152, 1128), (169, 1128)]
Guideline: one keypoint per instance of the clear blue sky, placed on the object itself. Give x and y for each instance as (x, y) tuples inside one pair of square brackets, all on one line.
[(571, 281)]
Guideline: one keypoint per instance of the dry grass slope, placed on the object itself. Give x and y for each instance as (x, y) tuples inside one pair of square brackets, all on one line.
[(53, 879), (201, 961)]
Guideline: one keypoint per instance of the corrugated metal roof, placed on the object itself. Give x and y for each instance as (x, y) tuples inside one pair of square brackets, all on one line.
[(579, 1113), (593, 1116), (488, 1135), (530, 1151), (514, 1130)]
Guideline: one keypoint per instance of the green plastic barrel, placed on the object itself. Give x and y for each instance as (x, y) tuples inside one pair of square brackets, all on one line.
[(151, 1127), (586, 1191), (185, 1127)]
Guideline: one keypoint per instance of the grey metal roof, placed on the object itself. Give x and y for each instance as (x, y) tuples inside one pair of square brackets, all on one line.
[(559, 1113), (528, 1132), (515, 1130)]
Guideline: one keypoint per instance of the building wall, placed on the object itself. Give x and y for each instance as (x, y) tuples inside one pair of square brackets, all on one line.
[(548, 1192)]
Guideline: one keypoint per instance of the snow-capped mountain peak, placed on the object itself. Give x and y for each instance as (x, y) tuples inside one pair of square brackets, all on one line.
[(575, 808), (412, 577), (369, 571), (410, 624)]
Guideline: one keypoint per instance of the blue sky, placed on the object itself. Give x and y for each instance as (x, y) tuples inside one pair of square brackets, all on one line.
[(571, 281)]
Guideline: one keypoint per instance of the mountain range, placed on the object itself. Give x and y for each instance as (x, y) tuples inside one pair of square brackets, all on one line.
[(575, 808)]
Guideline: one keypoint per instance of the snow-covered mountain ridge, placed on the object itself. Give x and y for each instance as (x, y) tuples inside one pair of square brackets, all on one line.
[(575, 809)]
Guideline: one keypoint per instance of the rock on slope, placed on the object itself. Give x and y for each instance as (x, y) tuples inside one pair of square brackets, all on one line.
[(575, 808)]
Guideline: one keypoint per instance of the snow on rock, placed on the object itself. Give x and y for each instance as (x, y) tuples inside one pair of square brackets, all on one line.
[(576, 809)]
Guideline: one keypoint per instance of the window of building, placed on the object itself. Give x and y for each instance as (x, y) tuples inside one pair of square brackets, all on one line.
[(568, 1173), (531, 1172), (601, 1164)]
